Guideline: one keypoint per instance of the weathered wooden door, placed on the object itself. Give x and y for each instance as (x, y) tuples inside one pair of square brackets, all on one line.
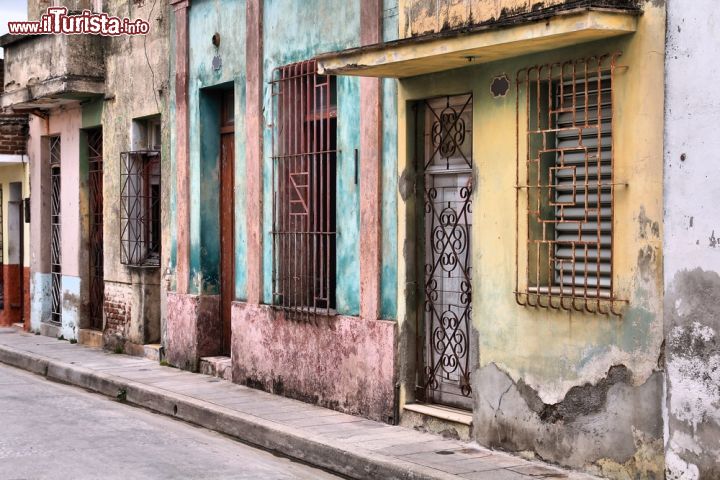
[(227, 215), (447, 168)]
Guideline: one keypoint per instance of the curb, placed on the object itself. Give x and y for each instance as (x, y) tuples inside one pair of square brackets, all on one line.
[(291, 442)]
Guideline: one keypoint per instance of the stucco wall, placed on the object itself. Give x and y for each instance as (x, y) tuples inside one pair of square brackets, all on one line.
[(601, 374), (137, 86), (65, 122), (692, 249), (227, 18), (419, 17)]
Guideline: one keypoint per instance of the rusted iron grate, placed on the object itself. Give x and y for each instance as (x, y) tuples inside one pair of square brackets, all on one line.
[(140, 208), (55, 238), (568, 185), (95, 184), (447, 178), (304, 172)]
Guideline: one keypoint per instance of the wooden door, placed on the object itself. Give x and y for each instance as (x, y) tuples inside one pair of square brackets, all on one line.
[(227, 215)]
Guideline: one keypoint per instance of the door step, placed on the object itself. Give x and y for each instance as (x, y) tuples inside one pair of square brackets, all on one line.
[(91, 338), (439, 419), (152, 351), (220, 367)]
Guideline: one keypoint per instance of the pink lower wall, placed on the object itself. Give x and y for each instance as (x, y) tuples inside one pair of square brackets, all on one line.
[(344, 363), (194, 329)]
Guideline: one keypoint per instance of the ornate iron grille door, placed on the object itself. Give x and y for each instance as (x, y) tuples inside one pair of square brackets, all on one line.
[(448, 168), (55, 239), (304, 170), (95, 182)]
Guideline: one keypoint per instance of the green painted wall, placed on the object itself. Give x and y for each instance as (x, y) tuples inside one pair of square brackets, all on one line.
[(388, 239), (295, 31), (92, 113), (212, 67)]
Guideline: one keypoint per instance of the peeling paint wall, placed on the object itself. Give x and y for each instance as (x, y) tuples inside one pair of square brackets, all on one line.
[(418, 17), (692, 252), (137, 86), (549, 382)]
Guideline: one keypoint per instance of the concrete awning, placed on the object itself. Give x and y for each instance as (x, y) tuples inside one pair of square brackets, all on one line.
[(43, 72), (459, 48)]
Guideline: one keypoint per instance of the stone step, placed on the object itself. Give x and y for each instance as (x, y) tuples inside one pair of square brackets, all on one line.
[(152, 351), (220, 367)]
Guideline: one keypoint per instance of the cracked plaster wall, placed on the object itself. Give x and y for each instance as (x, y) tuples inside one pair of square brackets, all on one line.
[(692, 251)]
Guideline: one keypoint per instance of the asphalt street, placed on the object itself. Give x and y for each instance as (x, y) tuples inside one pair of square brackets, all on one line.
[(54, 431)]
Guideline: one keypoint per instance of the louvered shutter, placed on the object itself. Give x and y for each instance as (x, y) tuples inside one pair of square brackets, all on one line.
[(583, 192)]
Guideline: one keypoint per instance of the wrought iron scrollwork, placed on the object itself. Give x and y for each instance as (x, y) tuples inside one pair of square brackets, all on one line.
[(448, 286)]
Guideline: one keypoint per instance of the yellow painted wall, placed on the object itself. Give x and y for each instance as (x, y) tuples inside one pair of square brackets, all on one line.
[(553, 351), (10, 173), (426, 16)]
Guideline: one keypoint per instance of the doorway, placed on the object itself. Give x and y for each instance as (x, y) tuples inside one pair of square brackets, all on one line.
[(445, 335), (227, 215), (96, 263)]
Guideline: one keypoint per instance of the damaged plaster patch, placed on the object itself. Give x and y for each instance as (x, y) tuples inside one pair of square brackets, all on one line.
[(678, 469), (608, 427), (692, 306)]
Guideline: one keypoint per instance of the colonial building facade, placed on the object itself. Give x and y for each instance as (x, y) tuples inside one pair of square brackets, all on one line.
[(490, 220), (97, 111)]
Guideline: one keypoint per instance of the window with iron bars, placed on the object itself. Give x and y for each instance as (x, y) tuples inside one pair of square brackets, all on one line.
[(568, 184), (140, 208), (304, 191)]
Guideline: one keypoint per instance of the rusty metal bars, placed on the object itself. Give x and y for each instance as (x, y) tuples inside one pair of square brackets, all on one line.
[(55, 238), (140, 208), (304, 177), (569, 186), (95, 184)]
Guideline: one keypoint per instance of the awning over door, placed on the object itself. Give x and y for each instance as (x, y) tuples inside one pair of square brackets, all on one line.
[(458, 48)]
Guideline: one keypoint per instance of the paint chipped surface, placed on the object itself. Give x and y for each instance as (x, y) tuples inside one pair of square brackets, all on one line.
[(693, 374), (343, 363)]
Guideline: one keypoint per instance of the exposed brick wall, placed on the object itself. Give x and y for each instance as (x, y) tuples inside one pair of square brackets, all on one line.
[(13, 134), (117, 308), (13, 128)]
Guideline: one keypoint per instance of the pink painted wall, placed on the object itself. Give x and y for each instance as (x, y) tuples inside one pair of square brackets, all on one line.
[(65, 122), (344, 363)]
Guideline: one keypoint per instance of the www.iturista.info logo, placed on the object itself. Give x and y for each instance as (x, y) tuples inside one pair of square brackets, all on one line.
[(57, 21)]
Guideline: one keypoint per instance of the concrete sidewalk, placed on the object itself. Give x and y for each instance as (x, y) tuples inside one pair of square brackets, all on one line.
[(344, 444)]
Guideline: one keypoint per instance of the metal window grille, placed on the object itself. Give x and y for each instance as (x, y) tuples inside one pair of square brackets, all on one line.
[(95, 183), (304, 171), (569, 186), (140, 208), (55, 239)]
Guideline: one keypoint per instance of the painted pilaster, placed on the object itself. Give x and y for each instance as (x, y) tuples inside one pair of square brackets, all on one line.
[(370, 161), (182, 144), (254, 147)]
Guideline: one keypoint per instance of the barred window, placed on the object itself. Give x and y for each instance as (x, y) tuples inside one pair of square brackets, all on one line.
[(140, 208), (568, 185), (304, 171)]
